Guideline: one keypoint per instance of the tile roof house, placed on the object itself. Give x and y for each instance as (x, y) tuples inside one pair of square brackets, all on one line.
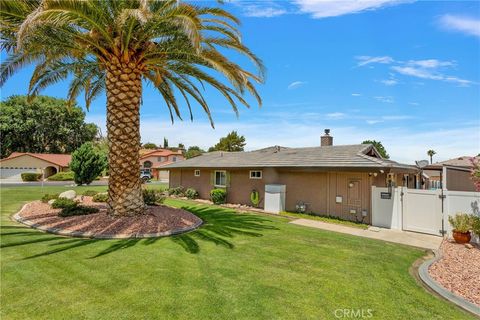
[(153, 161), (452, 174), (329, 180), (17, 163)]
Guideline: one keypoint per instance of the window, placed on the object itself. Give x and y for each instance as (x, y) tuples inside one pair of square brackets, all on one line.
[(220, 178), (255, 174), (197, 173), (174, 159), (160, 159)]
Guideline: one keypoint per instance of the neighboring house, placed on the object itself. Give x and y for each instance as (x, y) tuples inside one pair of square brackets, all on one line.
[(153, 161), (454, 174), (330, 180), (17, 163)]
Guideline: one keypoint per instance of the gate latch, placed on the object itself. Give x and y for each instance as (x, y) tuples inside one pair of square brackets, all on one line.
[(442, 196)]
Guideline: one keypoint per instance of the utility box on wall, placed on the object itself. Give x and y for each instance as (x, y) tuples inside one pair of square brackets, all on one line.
[(275, 198)]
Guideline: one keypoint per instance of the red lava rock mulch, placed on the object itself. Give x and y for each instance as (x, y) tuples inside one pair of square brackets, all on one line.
[(459, 270), (157, 219)]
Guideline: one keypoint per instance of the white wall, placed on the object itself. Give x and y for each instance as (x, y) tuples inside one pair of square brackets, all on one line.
[(387, 213), (461, 202)]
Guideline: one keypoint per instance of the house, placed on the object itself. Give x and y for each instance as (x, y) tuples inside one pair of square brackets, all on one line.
[(153, 161), (328, 180), (17, 163), (454, 174)]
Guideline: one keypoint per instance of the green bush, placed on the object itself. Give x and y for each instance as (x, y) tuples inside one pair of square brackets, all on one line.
[(153, 197), (77, 210), (476, 224), (177, 191), (191, 193), (47, 197), (461, 222), (100, 197), (218, 196), (89, 193), (87, 163), (61, 176), (30, 176), (62, 203)]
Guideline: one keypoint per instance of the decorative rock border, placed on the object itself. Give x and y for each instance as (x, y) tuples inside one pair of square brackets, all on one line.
[(91, 235), (439, 289)]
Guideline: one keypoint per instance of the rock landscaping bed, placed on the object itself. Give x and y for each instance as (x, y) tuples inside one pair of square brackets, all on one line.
[(157, 221), (459, 270)]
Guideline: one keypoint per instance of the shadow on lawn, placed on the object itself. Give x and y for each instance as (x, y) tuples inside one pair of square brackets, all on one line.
[(220, 227)]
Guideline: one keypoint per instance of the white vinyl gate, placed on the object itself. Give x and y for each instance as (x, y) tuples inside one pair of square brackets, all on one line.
[(425, 211), (422, 211)]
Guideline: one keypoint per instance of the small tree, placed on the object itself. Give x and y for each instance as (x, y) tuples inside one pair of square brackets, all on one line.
[(149, 145), (379, 146), (476, 172), (232, 142), (165, 143), (431, 153), (193, 151), (87, 164)]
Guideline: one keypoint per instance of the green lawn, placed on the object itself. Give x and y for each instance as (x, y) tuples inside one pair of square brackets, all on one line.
[(325, 219), (237, 266)]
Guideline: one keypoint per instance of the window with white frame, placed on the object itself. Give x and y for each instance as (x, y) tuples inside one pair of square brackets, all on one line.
[(255, 174), (197, 173), (220, 178)]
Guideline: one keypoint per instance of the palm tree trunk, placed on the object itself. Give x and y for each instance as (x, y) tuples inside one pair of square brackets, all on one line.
[(124, 90)]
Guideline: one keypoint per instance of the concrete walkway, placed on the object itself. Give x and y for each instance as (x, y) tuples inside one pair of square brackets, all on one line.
[(404, 237)]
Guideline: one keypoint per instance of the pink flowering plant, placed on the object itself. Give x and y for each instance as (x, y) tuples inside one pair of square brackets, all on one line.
[(476, 172)]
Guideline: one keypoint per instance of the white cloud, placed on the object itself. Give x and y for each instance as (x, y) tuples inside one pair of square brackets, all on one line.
[(336, 115), (356, 94), (296, 84), (428, 73), (261, 9), (385, 99), (389, 82), (431, 63), (470, 26), (333, 8), (374, 121), (364, 60), (414, 103)]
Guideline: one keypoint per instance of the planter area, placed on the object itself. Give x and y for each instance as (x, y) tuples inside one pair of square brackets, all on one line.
[(157, 221), (459, 270)]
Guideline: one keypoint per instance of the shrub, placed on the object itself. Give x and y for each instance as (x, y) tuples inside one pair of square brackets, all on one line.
[(87, 163), (476, 225), (47, 197), (89, 193), (153, 197), (461, 222), (177, 191), (30, 176), (100, 197), (191, 193), (77, 210), (61, 176), (218, 196), (62, 203)]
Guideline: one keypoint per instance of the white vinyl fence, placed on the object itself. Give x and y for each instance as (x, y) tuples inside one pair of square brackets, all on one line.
[(423, 211)]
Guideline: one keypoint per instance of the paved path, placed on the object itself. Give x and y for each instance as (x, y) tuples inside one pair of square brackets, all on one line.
[(404, 237)]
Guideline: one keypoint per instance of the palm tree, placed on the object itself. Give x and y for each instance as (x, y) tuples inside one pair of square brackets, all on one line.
[(431, 153), (114, 45)]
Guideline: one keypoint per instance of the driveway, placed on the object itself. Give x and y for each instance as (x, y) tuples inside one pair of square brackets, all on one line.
[(397, 236)]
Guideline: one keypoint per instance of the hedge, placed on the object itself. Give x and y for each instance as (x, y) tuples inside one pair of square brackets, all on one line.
[(30, 176), (62, 176)]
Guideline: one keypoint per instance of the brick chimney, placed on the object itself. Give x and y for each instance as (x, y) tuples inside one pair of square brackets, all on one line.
[(326, 139)]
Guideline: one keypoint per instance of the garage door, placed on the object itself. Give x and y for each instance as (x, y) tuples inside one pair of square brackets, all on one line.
[(14, 174)]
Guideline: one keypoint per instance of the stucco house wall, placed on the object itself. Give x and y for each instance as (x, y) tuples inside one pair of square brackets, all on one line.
[(319, 190)]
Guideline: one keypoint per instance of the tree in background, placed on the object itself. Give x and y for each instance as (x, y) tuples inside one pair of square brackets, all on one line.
[(181, 146), (431, 153), (149, 145), (45, 125), (232, 142), (193, 151), (87, 163), (476, 171), (116, 46), (379, 146), (165, 143)]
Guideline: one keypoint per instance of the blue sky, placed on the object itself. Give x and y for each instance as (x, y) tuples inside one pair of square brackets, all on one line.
[(403, 72)]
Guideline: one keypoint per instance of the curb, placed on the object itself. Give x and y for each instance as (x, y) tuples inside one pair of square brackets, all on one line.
[(90, 235), (439, 289)]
